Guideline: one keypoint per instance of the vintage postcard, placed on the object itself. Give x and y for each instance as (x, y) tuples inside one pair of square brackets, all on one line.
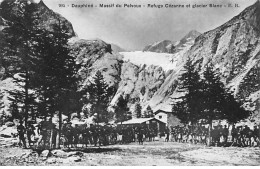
[(129, 82)]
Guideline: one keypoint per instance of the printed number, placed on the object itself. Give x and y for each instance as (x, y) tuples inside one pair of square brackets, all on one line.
[(61, 5)]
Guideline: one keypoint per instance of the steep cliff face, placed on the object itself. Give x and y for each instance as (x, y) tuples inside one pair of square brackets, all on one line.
[(234, 49), (139, 83), (93, 55), (50, 18), (47, 17)]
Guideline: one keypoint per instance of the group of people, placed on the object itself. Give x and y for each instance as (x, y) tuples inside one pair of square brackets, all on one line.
[(220, 135), (28, 131), (104, 135), (46, 134)]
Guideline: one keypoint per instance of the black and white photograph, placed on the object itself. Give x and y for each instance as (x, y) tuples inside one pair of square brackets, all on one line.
[(130, 83)]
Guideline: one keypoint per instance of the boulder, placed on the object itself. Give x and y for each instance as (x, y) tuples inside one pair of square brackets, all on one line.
[(75, 159), (8, 132), (59, 153), (9, 124), (75, 153), (45, 153), (51, 160), (72, 159), (25, 155)]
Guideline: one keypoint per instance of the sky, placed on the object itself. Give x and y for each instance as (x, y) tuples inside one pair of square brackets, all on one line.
[(134, 28)]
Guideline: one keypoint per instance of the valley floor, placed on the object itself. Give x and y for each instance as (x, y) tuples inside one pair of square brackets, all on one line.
[(157, 153)]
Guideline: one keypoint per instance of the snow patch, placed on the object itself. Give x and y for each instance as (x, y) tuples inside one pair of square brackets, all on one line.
[(150, 58)]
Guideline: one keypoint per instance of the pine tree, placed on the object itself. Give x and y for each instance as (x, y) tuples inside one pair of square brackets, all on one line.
[(98, 96), (233, 109), (188, 107), (121, 110), (138, 110), (18, 54), (149, 111), (56, 82), (145, 115), (213, 96)]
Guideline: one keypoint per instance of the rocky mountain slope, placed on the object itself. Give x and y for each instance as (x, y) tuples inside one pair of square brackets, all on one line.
[(95, 55), (165, 46), (47, 17), (186, 41), (233, 48)]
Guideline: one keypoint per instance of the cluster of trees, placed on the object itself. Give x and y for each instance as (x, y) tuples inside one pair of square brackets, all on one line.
[(39, 61), (146, 114), (122, 112), (205, 98)]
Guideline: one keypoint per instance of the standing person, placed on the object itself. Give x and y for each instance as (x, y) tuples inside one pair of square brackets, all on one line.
[(215, 136), (225, 133), (167, 132), (51, 134), (21, 131), (48, 135), (140, 135), (246, 135), (256, 134), (95, 135), (30, 133), (69, 134), (240, 138), (234, 134), (86, 136)]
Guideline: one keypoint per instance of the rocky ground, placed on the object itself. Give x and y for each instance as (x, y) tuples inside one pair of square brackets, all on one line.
[(156, 153)]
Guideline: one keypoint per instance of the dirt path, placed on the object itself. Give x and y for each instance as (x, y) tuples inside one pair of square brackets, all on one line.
[(150, 154)]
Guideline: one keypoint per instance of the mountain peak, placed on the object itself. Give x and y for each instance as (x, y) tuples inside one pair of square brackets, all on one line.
[(193, 34), (41, 3), (164, 46)]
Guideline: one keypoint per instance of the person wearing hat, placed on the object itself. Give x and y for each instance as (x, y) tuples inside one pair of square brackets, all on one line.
[(21, 131)]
